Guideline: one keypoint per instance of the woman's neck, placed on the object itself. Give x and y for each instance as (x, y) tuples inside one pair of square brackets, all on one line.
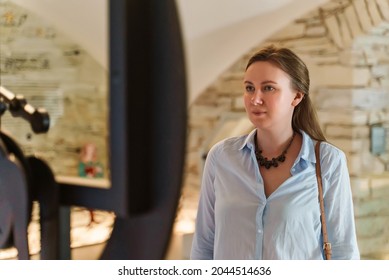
[(273, 142)]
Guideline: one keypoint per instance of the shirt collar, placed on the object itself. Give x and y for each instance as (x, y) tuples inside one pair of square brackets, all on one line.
[(249, 141), (307, 151)]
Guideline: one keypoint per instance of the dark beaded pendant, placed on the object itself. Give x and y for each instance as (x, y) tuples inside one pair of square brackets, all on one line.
[(263, 161)]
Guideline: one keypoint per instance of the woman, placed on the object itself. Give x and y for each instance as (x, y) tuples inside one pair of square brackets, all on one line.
[(255, 208)]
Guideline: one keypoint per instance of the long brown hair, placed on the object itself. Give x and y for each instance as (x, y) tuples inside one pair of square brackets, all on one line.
[(304, 115)]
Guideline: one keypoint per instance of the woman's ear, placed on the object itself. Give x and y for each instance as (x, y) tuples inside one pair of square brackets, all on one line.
[(297, 99)]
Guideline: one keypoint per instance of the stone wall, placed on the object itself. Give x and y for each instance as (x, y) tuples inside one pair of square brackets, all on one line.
[(52, 72), (346, 47)]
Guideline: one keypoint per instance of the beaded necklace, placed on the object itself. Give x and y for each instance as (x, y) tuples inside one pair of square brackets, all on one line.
[(263, 161)]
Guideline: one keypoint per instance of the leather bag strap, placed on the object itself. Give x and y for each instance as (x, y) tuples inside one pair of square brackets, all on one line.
[(326, 244)]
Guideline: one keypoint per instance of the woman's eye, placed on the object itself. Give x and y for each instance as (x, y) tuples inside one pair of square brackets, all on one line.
[(250, 89), (268, 88)]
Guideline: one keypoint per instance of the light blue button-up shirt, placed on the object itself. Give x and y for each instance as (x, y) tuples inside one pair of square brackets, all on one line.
[(235, 220)]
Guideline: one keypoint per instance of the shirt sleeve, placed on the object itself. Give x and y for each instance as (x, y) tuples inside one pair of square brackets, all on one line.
[(203, 239), (338, 206)]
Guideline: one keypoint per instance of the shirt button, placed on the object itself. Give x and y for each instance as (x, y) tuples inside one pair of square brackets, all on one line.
[(259, 231)]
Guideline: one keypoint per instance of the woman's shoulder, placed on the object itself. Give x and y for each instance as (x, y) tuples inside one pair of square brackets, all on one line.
[(227, 144), (231, 142), (332, 159), (328, 149)]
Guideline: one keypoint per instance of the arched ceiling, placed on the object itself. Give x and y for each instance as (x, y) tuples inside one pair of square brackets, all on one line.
[(216, 32)]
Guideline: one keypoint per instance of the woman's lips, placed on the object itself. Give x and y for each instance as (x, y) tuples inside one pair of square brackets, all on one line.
[(258, 113)]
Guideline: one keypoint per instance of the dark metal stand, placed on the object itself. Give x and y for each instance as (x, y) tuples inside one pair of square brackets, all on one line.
[(147, 109), (23, 180), (45, 190), (14, 204)]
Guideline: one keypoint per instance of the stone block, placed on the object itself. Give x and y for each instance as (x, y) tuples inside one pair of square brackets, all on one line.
[(331, 6), (372, 207), (315, 31), (352, 57), (353, 21), (348, 131), (368, 227), (345, 30), (380, 186), (311, 45), (238, 104), (193, 160), (380, 71), (334, 30), (374, 12), (360, 186), (192, 183), (365, 163), (354, 166), (359, 98), (378, 116), (334, 131), (341, 76), (347, 145), (193, 140), (207, 112), (370, 98), (371, 40), (323, 59), (379, 30), (203, 123), (329, 98), (342, 117), (372, 234), (370, 55), (384, 82), (363, 14), (231, 86), (383, 8)]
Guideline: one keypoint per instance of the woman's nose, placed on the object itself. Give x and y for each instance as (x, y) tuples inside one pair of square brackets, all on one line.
[(256, 99)]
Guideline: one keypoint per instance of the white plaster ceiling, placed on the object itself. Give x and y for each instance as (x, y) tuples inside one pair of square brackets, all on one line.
[(200, 17), (216, 32)]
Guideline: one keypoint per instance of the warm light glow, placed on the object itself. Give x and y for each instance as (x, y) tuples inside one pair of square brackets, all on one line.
[(185, 226)]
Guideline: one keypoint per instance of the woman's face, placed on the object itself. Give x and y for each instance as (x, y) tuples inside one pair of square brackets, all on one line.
[(268, 96)]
